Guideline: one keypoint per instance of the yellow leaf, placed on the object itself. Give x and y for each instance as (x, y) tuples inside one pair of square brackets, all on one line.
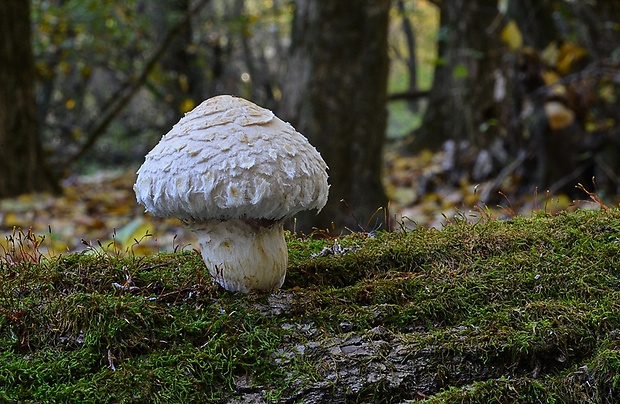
[(133, 231), (77, 133), (607, 92), (558, 115), (471, 199), (26, 198), (65, 67), (595, 126), (143, 249), (85, 72), (43, 70), (119, 209), (62, 27), (591, 126), (550, 77), (570, 53), (558, 90), (11, 219), (183, 83), (186, 105), (70, 103), (405, 195), (511, 35), (549, 55), (559, 203)]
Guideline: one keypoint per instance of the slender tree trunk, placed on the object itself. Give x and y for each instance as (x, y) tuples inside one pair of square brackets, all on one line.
[(461, 98), (535, 20), (412, 63), (22, 168), (184, 81), (335, 94)]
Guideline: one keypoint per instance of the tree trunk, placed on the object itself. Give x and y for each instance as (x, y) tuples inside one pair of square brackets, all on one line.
[(412, 61), (461, 98), (21, 157), (335, 94), (184, 78), (536, 22)]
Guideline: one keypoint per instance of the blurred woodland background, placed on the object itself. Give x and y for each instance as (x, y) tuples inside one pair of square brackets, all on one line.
[(425, 107)]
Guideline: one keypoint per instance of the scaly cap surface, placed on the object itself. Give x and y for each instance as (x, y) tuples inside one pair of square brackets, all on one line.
[(229, 158)]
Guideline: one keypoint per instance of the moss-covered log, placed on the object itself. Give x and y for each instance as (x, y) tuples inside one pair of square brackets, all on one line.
[(524, 310)]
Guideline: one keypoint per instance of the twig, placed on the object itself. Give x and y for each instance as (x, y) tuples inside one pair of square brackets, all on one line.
[(573, 175), (509, 169), (408, 95), (410, 40), (111, 360), (607, 170), (174, 292)]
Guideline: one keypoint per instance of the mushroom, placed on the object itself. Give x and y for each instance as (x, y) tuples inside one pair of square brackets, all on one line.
[(233, 172)]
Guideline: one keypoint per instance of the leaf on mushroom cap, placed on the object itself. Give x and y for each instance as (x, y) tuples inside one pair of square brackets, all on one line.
[(229, 158)]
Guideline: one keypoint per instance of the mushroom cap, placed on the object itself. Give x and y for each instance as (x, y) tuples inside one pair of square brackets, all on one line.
[(229, 158)]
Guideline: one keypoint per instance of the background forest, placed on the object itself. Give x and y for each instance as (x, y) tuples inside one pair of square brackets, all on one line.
[(424, 107)]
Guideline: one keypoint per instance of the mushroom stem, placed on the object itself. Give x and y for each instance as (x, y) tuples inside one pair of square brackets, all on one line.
[(244, 254)]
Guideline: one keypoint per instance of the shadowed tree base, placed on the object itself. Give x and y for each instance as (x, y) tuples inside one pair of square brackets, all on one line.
[(335, 95)]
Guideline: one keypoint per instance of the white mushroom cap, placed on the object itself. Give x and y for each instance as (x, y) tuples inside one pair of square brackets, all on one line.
[(229, 158)]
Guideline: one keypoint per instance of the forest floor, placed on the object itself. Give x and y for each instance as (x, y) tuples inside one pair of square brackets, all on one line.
[(101, 209)]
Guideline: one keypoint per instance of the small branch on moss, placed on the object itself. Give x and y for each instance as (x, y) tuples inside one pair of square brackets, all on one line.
[(597, 200), (111, 360)]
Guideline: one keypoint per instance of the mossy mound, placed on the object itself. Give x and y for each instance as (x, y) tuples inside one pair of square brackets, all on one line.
[(525, 310)]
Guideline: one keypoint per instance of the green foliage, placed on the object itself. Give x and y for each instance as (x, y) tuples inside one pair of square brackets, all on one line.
[(89, 54), (524, 310), (85, 52)]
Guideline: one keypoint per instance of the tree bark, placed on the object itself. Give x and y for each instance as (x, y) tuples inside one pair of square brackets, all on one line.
[(184, 77), (412, 61), (335, 94), (461, 98), (22, 167), (535, 20)]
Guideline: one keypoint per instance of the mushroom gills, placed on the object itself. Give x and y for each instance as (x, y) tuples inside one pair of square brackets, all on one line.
[(243, 255)]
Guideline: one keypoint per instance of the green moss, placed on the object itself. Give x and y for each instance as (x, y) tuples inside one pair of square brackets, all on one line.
[(524, 310)]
